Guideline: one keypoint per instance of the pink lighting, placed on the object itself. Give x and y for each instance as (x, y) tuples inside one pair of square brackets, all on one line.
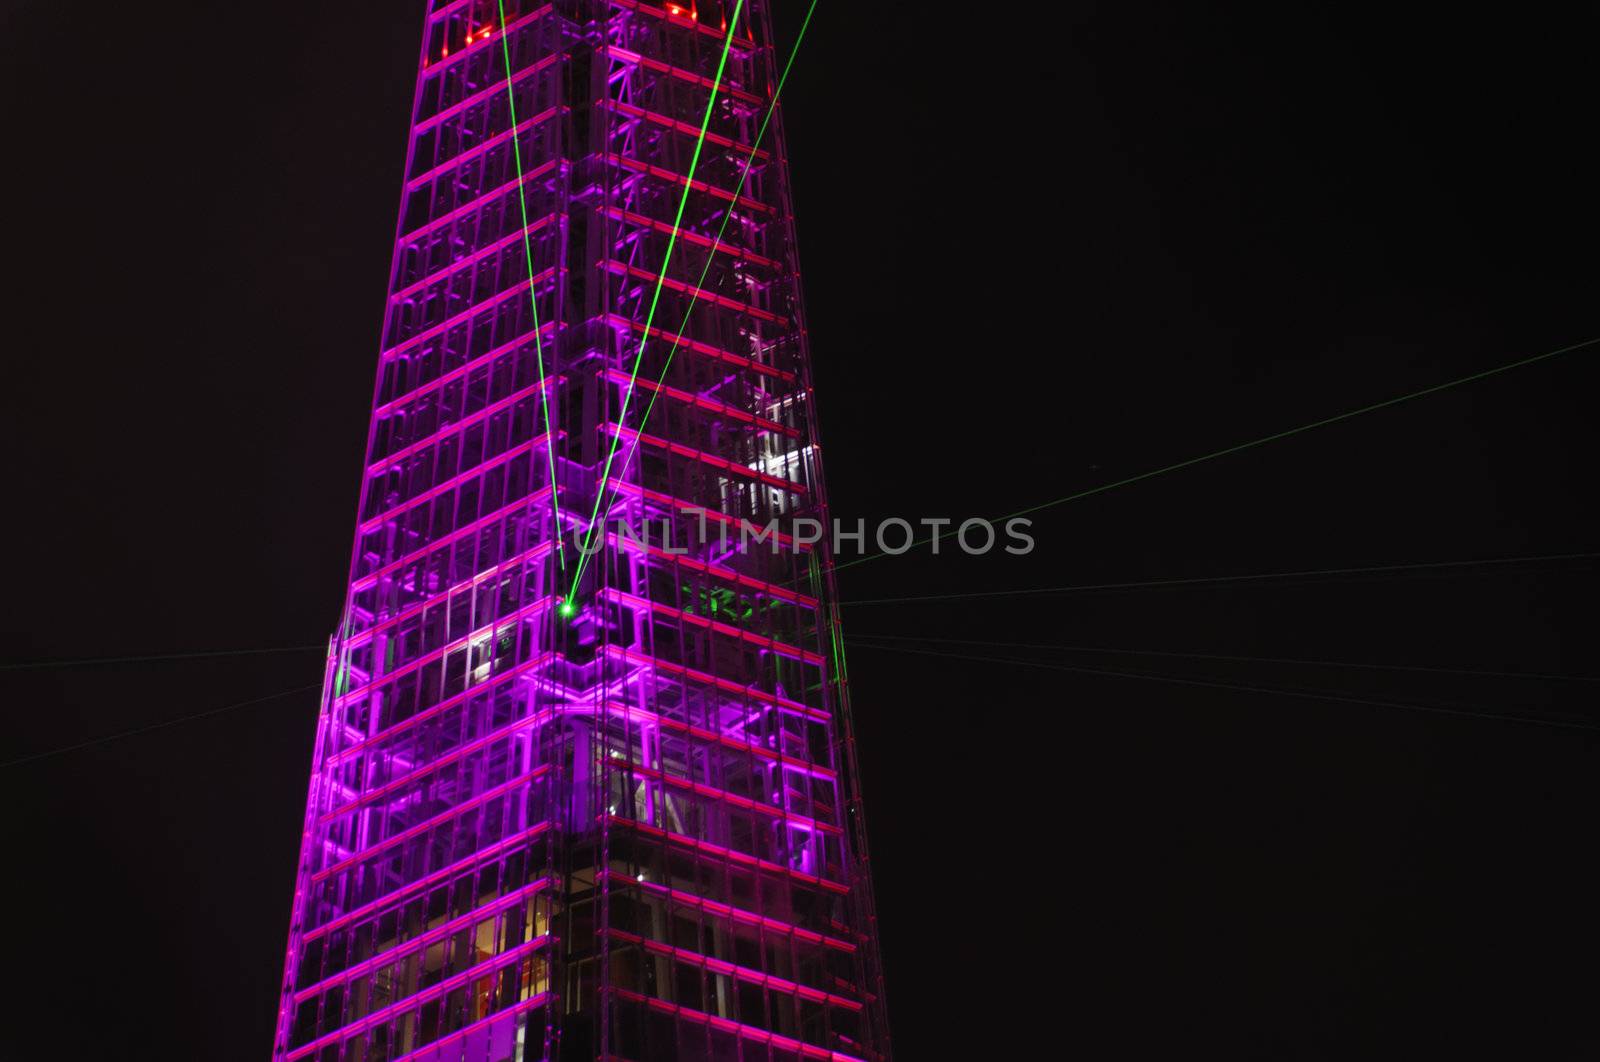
[(610, 811)]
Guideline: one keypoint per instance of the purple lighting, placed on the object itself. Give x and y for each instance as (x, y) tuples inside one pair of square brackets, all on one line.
[(605, 808)]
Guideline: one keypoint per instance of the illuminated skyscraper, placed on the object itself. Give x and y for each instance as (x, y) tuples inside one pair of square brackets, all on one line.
[(569, 807)]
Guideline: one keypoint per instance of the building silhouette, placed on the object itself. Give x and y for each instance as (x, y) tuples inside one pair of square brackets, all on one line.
[(584, 784)]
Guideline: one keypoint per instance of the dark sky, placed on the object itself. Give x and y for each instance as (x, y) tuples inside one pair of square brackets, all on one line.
[(1042, 252)]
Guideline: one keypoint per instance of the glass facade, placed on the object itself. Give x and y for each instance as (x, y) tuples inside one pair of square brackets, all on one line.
[(567, 806)]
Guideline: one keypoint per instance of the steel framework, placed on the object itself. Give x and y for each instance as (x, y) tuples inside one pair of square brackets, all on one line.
[(606, 807)]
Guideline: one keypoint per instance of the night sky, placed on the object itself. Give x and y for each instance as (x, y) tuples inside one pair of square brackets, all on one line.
[(1041, 253)]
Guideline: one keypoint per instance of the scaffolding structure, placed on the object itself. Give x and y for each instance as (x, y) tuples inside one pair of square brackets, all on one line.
[(573, 807)]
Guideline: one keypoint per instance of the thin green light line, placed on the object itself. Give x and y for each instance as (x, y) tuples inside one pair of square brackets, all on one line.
[(655, 298), (1151, 584), (533, 295), (28, 665), (1231, 658), (1306, 694), (716, 245), (107, 738), (1248, 445)]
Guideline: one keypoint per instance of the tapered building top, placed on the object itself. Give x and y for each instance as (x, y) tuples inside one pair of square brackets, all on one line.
[(584, 783)]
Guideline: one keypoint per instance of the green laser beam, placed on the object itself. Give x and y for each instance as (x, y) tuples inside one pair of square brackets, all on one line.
[(1319, 695), (1235, 658), (1213, 579), (655, 298), (716, 245), (1386, 403), (533, 295), (107, 738), (29, 665), (22, 665)]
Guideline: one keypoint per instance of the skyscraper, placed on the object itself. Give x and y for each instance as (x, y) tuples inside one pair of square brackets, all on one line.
[(584, 783)]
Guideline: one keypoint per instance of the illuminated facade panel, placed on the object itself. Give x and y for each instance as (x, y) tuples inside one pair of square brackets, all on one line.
[(574, 803)]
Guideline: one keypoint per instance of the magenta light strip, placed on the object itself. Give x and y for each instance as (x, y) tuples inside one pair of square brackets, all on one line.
[(480, 634), (723, 852), (520, 671), (746, 746), (721, 464), (630, 110), (393, 1010), (420, 942), (748, 1032), (618, 320), (541, 1000), (473, 206), (516, 562), (664, 13), (504, 457), (679, 287), (517, 290), (454, 811), (732, 251), (366, 582), (466, 368), (468, 692), (455, 427), (722, 796), (444, 759), (678, 73), (410, 889), (482, 95), (683, 898), (741, 973), (705, 678), (681, 180), (691, 511), (455, 161), (727, 630), (728, 575), (710, 405), (462, 265)]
